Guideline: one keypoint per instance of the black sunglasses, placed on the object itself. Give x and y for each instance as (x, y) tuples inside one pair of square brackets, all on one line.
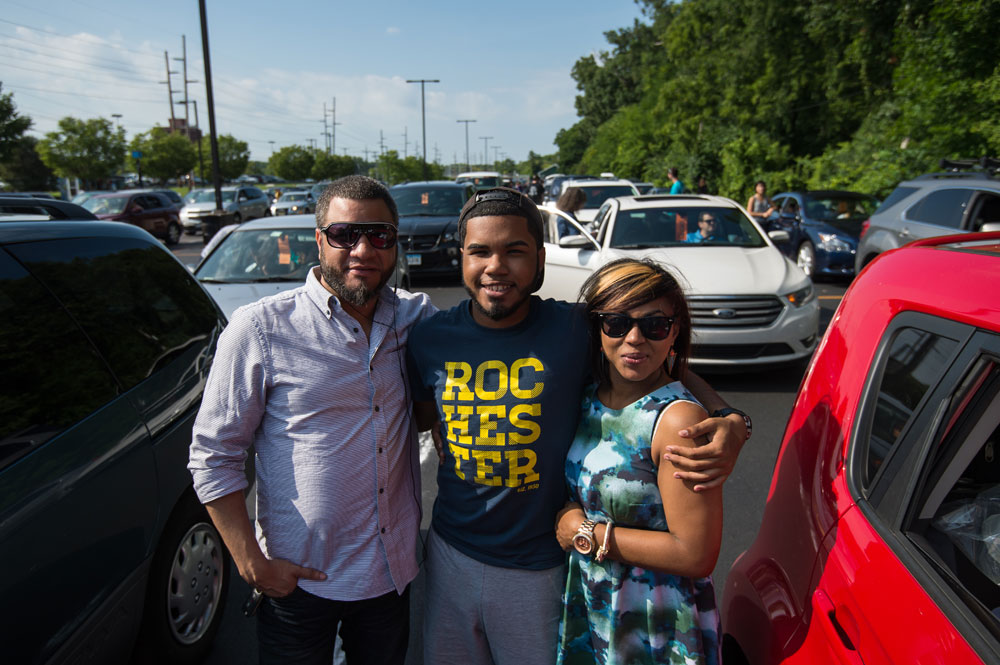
[(654, 328), (345, 235)]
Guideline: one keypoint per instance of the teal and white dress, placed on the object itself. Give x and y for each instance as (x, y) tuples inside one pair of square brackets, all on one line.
[(615, 613)]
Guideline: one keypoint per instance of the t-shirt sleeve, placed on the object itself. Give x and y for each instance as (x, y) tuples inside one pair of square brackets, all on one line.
[(420, 391)]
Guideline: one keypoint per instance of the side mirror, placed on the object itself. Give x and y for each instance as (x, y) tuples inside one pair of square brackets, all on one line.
[(576, 241), (779, 236)]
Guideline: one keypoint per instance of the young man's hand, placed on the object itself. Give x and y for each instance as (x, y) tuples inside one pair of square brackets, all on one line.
[(709, 465)]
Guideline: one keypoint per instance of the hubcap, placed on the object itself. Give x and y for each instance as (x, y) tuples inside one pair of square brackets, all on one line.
[(806, 259), (195, 585)]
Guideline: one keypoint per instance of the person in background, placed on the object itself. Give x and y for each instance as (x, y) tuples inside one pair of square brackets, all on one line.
[(310, 382), (570, 201), (708, 227), (702, 187), (641, 543), (536, 190), (676, 186), (759, 206)]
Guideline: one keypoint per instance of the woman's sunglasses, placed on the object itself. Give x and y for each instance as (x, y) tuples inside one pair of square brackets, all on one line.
[(345, 235), (653, 328)]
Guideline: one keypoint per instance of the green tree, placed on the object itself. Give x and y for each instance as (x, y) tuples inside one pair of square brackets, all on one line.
[(12, 125), (91, 149), (292, 162), (330, 167), (234, 155), (164, 154), (24, 170)]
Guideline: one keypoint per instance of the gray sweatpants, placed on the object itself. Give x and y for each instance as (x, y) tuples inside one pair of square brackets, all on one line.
[(477, 614)]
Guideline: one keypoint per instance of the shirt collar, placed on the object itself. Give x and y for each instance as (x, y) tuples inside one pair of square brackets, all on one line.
[(328, 303)]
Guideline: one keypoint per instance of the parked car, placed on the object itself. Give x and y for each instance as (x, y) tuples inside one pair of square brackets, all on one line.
[(27, 208), (879, 538), (480, 179), (931, 205), (823, 228), (107, 342), (294, 203), (263, 257), (428, 224), (174, 197), (750, 305), (151, 211), (598, 191), (243, 203), (82, 197)]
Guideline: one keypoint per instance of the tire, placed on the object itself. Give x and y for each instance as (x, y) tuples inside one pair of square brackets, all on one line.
[(187, 588), (237, 218), (174, 233), (805, 258), (267, 213)]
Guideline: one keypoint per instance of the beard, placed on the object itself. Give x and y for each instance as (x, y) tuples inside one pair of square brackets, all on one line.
[(357, 296), (498, 312)]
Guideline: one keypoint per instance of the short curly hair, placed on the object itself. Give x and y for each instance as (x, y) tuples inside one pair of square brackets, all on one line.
[(355, 188)]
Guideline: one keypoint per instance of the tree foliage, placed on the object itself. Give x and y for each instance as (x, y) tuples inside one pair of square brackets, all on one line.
[(164, 154), (331, 167), (24, 170), (810, 94), (91, 149), (392, 170), (12, 125), (234, 155), (293, 162)]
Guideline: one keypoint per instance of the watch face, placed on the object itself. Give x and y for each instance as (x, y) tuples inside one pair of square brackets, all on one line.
[(583, 544)]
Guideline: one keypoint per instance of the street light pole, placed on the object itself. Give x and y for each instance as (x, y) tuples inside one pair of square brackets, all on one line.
[(486, 150), (423, 120), (468, 166)]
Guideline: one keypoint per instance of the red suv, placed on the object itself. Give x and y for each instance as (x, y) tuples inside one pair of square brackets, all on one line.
[(151, 211), (880, 540)]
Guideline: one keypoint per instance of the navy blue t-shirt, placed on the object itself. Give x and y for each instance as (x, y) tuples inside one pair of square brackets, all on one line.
[(509, 402)]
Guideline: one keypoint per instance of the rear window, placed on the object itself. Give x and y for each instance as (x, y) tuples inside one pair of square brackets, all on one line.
[(437, 201), (897, 195), (665, 227), (598, 195)]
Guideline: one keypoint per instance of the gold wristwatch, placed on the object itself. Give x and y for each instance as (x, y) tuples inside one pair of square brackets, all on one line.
[(584, 541)]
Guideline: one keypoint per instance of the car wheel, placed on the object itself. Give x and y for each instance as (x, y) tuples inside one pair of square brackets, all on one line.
[(237, 218), (267, 212), (186, 592), (806, 258), (173, 234)]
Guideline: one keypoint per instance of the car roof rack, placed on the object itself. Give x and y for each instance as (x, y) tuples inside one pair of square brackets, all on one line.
[(984, 168)]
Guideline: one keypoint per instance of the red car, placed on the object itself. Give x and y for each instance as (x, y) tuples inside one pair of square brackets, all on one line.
[(149, 210), (880, 541)]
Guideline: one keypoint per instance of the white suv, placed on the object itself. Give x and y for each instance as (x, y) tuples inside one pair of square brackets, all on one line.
[(598, 191)]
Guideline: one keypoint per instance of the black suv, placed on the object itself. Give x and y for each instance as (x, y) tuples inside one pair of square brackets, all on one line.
[(105, 345)]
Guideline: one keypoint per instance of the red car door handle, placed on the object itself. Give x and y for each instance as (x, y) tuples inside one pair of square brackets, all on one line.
[(841, 635)]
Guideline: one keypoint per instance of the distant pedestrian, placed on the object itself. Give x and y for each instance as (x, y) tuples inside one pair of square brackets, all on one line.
[(759, 206), (702, 187), (676, 187), (536, 190)]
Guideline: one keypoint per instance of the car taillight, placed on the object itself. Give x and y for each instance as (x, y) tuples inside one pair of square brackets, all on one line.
[(864, 227)]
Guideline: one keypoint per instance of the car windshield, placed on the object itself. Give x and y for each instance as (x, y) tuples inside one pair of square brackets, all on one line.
[(441, 201), (106, 205), (208, 196), (840, 207), (481, 182), (294, 196), (255, 255), (596, 196), (667, 227)]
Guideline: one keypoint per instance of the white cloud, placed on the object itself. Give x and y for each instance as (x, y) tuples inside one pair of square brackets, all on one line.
[(392, 30)]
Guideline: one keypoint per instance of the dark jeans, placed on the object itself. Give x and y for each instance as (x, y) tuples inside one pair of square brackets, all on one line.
[(300, 629)]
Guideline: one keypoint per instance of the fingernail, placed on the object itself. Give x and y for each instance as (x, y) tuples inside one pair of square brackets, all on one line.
[(684, 432)]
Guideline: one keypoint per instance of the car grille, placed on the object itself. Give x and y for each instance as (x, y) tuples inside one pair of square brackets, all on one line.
[(421, 242), (734, 311)]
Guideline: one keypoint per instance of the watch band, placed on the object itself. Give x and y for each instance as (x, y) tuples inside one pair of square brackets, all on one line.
[(722, 413)]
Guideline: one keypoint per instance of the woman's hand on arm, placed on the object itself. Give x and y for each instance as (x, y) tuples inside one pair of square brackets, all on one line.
[(568, 521)]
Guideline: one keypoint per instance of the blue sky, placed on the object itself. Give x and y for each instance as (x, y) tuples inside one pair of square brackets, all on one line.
[(275, 64)]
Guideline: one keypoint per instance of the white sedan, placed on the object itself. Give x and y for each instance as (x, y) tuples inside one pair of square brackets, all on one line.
[(750, 305)]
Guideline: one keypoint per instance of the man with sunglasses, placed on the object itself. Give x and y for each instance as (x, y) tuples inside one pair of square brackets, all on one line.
[(309, 381), (504, 373), (708, 229)]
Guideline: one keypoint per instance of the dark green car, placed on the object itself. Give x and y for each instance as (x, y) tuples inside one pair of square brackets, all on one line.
[(105, 345)]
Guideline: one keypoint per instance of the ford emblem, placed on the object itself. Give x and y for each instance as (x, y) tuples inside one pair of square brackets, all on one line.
[(725, 313)]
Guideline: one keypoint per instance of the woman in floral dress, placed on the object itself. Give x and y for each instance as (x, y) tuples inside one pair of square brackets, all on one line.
[(642, 543)]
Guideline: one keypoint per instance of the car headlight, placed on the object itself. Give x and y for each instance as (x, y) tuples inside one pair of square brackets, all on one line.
[(294, 208), (447, 236), (831, 242), (801, 296)]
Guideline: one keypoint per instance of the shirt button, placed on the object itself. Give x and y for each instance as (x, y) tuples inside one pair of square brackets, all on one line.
[(380, 450), (383, 529), (355, 330), (376, 409), (380, 490)]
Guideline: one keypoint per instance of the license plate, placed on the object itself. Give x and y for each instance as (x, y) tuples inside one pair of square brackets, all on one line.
[(413, 259)]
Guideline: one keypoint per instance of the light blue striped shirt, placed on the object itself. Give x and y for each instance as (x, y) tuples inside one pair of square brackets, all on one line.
[(328, 413)]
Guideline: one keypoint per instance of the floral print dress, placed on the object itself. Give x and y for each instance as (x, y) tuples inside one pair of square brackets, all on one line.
[(615, 613)]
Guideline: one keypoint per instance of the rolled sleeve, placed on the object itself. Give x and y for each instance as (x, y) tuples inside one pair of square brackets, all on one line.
[(231, 410)]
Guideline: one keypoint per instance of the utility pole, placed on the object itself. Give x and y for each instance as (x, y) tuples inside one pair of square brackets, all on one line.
[(272, 146), (183, 59), (117, 117), (333, 126), (486, 150), (423, 116), (468, 166), (406, 143), (381, 143), (496, 151), (216, 176), (201, 161), (170, 90), (326, 134)]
